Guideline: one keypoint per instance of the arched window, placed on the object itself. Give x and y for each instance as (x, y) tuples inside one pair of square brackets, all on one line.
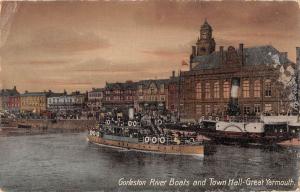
[(246, 88), (268, 91), (216, 90), (198, 90), (257, 88), (226, 89), (207, 90)]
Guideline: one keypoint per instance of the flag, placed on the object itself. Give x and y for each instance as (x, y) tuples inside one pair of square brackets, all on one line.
[(184, 63)]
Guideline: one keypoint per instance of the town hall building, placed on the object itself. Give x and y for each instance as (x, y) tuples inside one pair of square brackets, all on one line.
[(244, 81)]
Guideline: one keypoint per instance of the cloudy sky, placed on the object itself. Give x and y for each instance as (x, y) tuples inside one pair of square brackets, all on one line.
[(80, 45)]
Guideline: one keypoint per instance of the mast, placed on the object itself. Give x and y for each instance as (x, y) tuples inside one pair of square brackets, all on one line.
[(297, 80)]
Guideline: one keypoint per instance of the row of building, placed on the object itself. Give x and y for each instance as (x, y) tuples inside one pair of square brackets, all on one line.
[(143, 95), (230, 81), (42, 103)]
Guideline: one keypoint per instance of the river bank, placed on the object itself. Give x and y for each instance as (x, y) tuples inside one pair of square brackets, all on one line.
[(42, 126)]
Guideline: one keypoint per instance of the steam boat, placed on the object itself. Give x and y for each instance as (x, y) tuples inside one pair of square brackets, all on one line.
[(145, 136), (249, 132)]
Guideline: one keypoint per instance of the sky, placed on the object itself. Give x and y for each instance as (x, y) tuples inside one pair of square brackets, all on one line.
[(80, 45)]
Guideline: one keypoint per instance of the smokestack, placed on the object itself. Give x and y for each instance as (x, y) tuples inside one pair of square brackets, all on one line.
[(221, 54), (233, 108), (285, 55), (194, 51), (298, 56), (235, 87), (241, 51)]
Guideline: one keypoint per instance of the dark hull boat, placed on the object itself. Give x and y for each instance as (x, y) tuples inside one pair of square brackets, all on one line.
[(251, 132)]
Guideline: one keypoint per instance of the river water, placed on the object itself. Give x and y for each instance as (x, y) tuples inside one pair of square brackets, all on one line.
[(67, 162)]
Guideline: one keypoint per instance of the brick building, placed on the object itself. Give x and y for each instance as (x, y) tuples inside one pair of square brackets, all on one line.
[(34, 102), (119, 96), (256, 80), (173, 93), (152, 94), (10, 100)]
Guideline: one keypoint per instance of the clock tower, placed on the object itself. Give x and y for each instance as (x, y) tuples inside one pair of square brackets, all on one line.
[(205, 45)]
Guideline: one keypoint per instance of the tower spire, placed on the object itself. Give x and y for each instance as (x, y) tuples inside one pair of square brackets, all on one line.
[(206, 44)]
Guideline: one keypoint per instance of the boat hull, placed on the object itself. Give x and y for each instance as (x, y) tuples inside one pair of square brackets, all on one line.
[(194, 150), (242, 137), (240, 132)]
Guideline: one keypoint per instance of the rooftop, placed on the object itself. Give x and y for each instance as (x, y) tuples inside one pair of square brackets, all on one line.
[(259, 55)]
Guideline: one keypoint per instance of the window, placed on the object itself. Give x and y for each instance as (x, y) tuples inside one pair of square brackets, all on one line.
[(246, 88), (162, 88), (207, 90), (246, 109), (216, 90), (268, 92), (152, 90), (207, 109), (140, 89), (162, 98), (257, 88), (226, 89), (256, 108), (198, 109), (198, 91), (216, 109), (268, 107)]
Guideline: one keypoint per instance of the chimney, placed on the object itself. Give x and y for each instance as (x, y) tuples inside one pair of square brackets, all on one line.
[(221, 54), (15, 88), (194, 50), (241, 51), (285, 55), (173, 74), (298, 56)]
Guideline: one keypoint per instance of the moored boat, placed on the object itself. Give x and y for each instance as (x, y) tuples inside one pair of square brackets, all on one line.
[(247, 132)]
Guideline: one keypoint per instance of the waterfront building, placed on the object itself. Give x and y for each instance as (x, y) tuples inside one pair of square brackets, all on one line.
[(119, 96), (152, 94), (94, 102), (247, 81), (67, 105), (34, 102), (173, 93), (10, 100)]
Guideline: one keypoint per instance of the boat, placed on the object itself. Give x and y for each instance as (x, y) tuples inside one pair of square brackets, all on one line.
[(24, 126), (268, 132), (132, 135)]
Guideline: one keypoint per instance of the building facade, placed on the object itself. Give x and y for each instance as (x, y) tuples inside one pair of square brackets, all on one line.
[(152, 95), (10, 100), (173, 93), (94, 104), (235, 81), (33, 102), (67, 105), (119, 96)]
